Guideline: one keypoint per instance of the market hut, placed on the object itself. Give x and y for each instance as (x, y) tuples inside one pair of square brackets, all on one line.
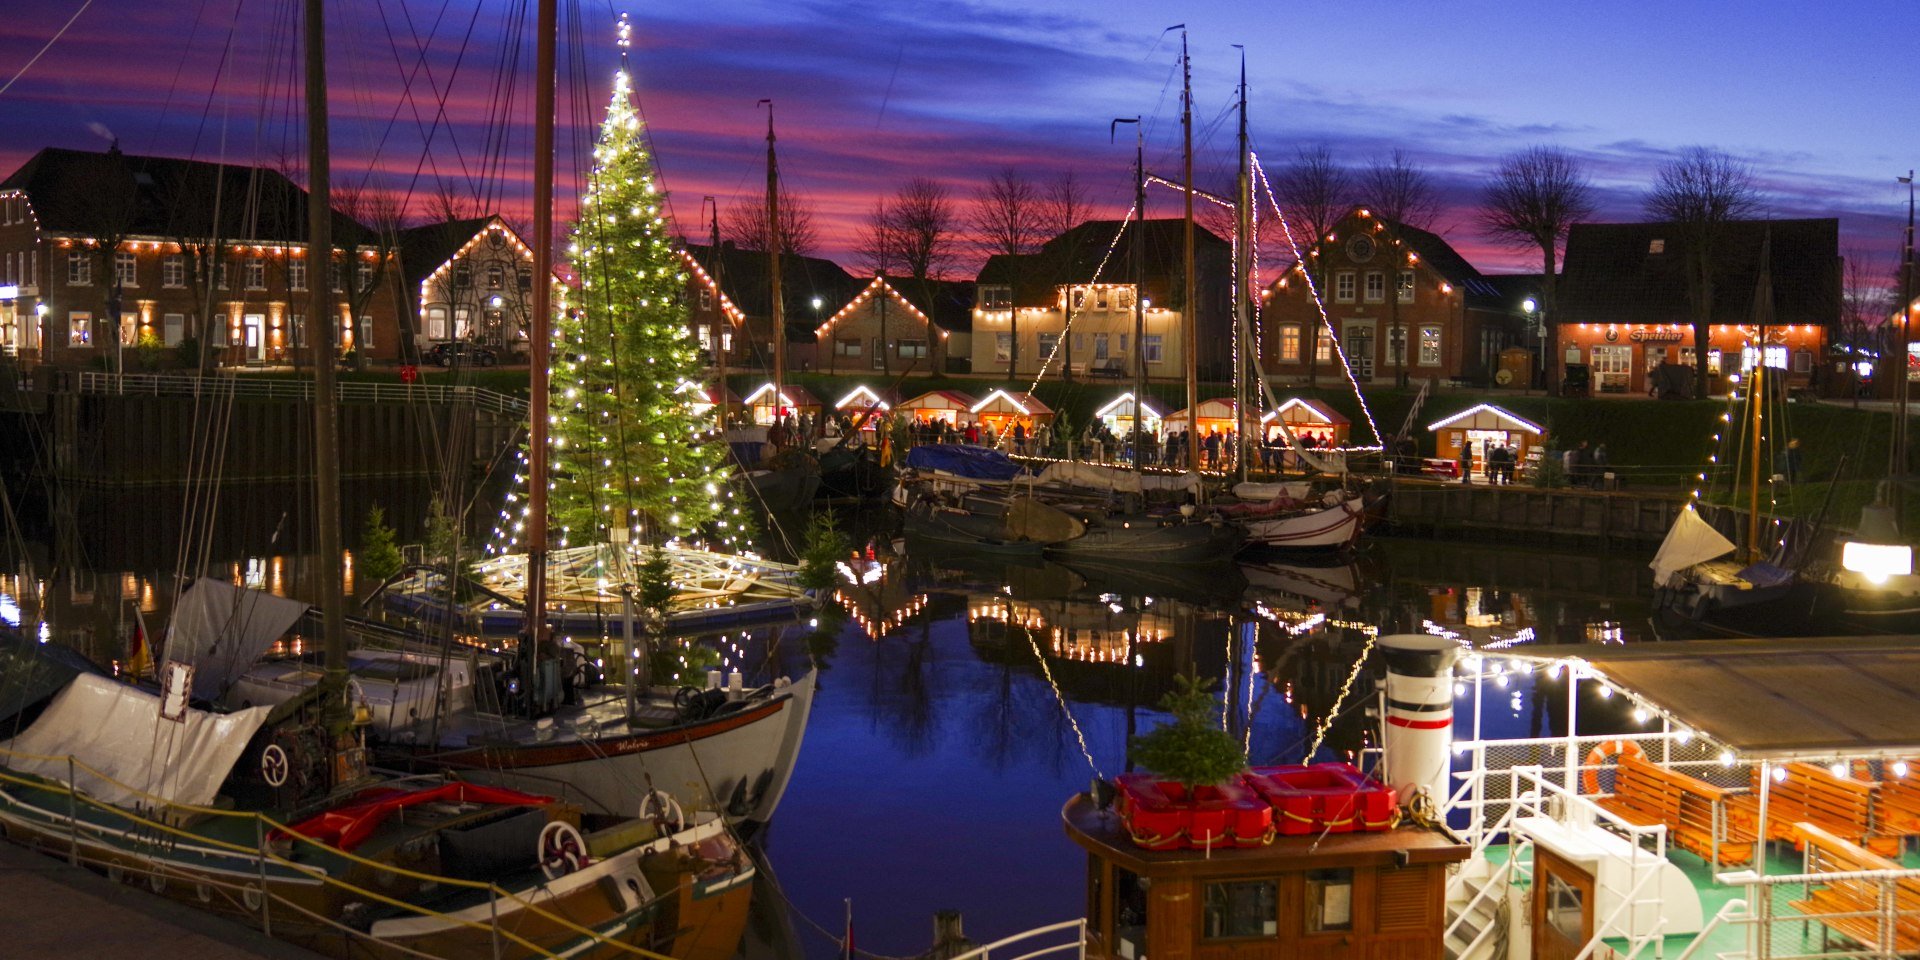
[(1001, 409), (703, 398), (1118, 416), (1308, 418), (866, 406), (1210, 416), (794, 401), (1485, 426), (948, 406)]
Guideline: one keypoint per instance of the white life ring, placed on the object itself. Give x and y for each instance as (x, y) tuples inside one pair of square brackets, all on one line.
[(662, 806), (561, 849)]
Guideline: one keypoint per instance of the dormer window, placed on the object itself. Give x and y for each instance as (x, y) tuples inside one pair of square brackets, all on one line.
[(1656, 246)]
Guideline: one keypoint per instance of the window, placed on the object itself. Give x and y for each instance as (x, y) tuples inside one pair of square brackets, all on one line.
[(1376, 287), (1048, 342), (846, 347), (1803, 361), (363, 333), (1245, 909), (1566, 906), (996, 298), (219, 331), (1123, 298), (1079, 299), (1123, 344), (79, 329), (297, 274), (706, 298), (1100, 346), (1150, 347), (173, 270), (1002, 347), (526, 279), (220, 273), (173, 328), (1406, 286), (1713, 360), (1396, 346), (462, 275), (1329, 900), (1429, 346), (1343, 286), (1612, 367), (1656, 246), (1322, 345), (462, 322), (913, 349), (339, 277), (126, 269), (299, 323), (496, 277), (1100, 301), (363, 276), (1289, 343), (79, 269), (256, 273)]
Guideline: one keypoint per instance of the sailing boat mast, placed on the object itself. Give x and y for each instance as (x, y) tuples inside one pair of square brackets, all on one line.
[(1242, 272), (1139, 291), (1192, 296), (320, 326), (546, 21), (719, 318), (777, 311), (1757, 395)]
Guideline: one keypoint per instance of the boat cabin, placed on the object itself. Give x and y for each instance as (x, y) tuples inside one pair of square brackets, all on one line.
[(1308, 418), (948, 406), (793, 401), (1118, 416), (1485, 426), (1354, 894), (1001, 409)]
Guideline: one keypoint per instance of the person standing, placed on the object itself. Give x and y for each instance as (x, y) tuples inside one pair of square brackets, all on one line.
[(1466, 462)]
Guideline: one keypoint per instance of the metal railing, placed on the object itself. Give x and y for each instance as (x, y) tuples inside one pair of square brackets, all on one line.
[(274, 388), (1077, 946)]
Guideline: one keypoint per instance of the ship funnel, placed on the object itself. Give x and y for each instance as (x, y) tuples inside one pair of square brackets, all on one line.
[(1419, 719)]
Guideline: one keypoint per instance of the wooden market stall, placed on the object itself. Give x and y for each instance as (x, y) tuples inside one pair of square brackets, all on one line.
[(1308, 418), (1001, 409), (705, 398), (1485, 426), (794, 401), (1118, 416), (949, 406), (1211, 416), (866, 406)]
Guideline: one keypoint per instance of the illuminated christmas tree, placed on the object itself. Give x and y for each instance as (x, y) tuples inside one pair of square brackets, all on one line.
[(628, 447)]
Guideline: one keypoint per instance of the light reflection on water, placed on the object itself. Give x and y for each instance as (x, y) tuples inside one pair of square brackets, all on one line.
[(963, 699)]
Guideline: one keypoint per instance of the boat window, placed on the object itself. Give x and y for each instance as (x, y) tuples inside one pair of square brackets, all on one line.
[(1243, 909), (1129, 915), (1564, 909), (1329, 900)]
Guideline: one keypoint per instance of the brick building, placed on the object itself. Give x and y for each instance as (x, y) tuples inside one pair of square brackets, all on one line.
[(1452, 321), (738, 307), (108, 258), (899, 324), (1023, 304), (469, 280), (1624, 306)]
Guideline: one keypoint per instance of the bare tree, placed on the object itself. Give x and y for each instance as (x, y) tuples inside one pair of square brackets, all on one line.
[(447, 204), (924, 227), (1006, 221), (1316, 191), (878, 249), (745, 223), (1535, 197), (369, 246), (1701, 192), (1400, 194), (1062, 206), (1866, 299)]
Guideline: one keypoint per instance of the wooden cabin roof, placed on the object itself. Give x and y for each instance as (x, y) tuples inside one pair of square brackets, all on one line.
[(941, 400)]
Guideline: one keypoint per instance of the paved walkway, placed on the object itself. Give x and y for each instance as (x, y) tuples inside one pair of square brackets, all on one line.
[(53, 910)]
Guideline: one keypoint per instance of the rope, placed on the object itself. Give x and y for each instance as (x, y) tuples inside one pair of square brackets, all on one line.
[(45, 47)]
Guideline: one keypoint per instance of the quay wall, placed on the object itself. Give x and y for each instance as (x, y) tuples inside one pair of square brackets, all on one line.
[(1547, 517)]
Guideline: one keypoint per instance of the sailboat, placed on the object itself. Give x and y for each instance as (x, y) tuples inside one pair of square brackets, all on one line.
[(271, 815)]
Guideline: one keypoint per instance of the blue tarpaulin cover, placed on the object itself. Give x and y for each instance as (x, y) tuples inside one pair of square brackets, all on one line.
[(1765, 574), (977, 463)]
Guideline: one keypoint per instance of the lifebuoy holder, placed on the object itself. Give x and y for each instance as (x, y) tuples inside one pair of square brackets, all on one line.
[(562, 849), (1606, 753)]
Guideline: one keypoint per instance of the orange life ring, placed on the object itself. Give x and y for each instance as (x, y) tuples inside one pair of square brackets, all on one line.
[(1608, 752)]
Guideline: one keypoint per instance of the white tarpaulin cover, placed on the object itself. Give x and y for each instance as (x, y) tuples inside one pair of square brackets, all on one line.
[(1095, 477), (1692, 540), (1253, 490), (222, 630), (116, 730)]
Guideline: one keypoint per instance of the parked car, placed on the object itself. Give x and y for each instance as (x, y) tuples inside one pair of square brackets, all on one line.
[(453, 352)]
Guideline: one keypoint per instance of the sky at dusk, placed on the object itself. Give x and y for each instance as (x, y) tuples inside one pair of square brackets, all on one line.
[(1821, 99)]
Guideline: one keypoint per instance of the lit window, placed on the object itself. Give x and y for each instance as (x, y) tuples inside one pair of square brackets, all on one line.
[(913, 349), (79, 329), (1289, 343), (1002, 347), (1429, 346), (1343, 286), (1322, 345), (1244, 909), (496, 277)]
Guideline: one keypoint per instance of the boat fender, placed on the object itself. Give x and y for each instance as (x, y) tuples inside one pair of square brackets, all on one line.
[(1604, 754), (561, 849), (737, 805)]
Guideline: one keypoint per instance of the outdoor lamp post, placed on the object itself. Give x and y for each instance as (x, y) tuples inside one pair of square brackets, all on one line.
[(1537, 322)]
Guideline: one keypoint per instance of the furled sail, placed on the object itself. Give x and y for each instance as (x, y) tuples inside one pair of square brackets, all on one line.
[(222, 630), (1692, 540)]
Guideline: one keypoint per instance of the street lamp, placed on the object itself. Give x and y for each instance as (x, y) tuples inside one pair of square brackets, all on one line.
[(1539, 326)]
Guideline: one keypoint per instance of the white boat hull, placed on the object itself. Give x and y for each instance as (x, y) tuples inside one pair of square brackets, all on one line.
[(1326, 529)]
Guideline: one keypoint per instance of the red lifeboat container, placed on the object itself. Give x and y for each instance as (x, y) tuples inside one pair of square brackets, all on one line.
[(1324, 797), (1162, 815)]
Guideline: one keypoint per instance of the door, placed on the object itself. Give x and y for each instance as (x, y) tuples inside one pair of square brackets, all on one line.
[(1562, 907), (1612, 368), (1360, 350), (256, 334)]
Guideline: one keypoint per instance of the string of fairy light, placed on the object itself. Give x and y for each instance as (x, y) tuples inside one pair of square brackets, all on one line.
[(1072, 311)]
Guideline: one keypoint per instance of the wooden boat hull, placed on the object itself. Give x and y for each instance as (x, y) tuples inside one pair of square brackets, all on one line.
[(1330, 528), (1149, 539)]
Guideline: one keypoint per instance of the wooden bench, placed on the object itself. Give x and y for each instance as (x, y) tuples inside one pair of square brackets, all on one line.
[(1693, 811), (1852, 908), (1841, 806), (1896, 811)]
